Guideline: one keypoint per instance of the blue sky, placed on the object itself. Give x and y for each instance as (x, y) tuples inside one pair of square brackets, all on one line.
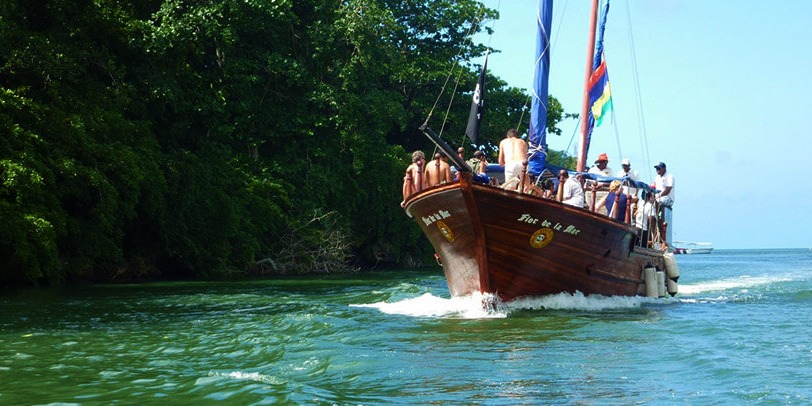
[(724, 87)]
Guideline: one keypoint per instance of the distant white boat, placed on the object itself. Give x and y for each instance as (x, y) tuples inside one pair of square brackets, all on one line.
[(692, 247)]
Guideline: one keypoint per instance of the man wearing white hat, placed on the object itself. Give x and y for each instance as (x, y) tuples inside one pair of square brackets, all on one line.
[(631, 173)]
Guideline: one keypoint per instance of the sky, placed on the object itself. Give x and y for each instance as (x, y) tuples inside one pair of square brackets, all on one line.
[(721, 94)]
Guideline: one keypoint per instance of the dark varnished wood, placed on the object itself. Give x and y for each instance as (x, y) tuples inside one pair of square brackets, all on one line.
[(484, 243)]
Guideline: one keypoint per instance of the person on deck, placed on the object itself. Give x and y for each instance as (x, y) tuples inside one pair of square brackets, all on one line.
[(572, 191), (412, 181), (664, 182), (631, 173), (615, 202), (512, 152), (644, 217), (455, 172), (479, 162), (601, 167), (438, 171)]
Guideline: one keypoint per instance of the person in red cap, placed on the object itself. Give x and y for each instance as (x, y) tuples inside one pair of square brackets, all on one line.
[(601, 167)]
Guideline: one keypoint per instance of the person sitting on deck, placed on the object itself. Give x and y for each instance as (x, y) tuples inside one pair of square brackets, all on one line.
[(531, 186), (478, 163), (413, 181), (548, 186), (601, 166), (627, 170), (615, 211), (572, 192), (664, 182), (644, 216), (438, 171)]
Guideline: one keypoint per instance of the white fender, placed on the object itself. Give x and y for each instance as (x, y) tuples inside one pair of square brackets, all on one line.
[(660, 283), (671, 266), (673, 273), (671, 285), (650, 277)]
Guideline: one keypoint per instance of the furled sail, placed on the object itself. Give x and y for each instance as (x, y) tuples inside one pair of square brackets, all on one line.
[(537, 136)]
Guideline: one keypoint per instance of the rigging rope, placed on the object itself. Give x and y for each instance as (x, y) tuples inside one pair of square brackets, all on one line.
[(640, 116), (451, 72), (615, 123)]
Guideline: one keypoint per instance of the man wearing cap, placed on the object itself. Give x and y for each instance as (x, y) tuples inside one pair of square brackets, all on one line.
[(664, 182), (600, 168), (632, 174)]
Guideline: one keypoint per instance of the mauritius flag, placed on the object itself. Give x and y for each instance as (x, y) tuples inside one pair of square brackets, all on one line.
[(600, 93)]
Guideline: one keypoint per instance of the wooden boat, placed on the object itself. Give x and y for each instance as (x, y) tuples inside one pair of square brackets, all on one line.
[(512, 245)]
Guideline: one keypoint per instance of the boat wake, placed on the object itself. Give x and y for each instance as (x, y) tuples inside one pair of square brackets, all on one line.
[(741, 283), (238, 375), (428, 305), (579, 302), (484, 306)]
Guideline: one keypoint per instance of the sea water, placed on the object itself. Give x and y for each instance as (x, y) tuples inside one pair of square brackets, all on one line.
[(738, 332)]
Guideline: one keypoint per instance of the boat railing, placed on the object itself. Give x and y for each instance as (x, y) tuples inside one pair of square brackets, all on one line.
[(655, 231)]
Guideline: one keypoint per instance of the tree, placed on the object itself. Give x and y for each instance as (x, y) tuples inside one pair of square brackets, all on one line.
[(179, 138)]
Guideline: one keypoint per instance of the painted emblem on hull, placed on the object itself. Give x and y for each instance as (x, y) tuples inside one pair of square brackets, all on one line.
[(445, 230), (541, 237)]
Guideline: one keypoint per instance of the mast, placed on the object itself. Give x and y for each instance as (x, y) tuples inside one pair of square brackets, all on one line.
[(590, 55)]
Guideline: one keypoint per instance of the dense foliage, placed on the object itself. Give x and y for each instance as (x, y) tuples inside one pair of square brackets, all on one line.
[(180, 138)]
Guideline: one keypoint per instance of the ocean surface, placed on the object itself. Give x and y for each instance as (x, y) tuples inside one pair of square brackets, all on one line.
[(737, 333)]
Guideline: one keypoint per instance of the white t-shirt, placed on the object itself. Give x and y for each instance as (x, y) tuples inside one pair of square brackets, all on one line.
[(643, 213), (607, 172), (662, 182), (632, 174), (573, 193)]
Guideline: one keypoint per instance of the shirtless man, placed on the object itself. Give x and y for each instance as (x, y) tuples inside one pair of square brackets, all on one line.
[(512, 152), (435, 175), (413, 181)]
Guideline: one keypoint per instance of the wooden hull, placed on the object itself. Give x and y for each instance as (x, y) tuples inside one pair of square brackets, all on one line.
[(513, 245)]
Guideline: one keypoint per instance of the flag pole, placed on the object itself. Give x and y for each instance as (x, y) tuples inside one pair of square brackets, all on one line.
[(590, 56)]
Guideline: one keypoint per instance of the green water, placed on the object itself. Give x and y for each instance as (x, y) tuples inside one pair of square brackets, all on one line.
[(738, 333)]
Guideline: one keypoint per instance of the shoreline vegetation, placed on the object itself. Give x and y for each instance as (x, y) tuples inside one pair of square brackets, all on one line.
[(176, 139)]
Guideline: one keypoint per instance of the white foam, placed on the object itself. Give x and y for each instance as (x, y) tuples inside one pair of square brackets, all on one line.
[(239, 375), (741, 283), (428, 305), (578, 301), (475, 306)]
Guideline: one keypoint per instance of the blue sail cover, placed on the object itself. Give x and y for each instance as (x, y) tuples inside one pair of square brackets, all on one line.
[(537, 137)]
